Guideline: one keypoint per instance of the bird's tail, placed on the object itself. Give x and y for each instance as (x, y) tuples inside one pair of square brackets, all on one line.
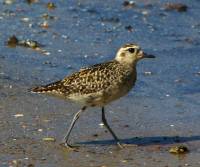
[(39, 89), (46, 88)]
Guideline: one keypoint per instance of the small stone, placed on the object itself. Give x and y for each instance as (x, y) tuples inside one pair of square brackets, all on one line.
[(64, 36), (147, 73), (8, 2), (47, 16), (129, 4), (110, 20), (29, 44), (179, 150), (25, 19), (46, 120), (101, 124), (43, 158), (126, 126), (176, 6), (45, 24), (46, 53), (18, 115), (24, 126), (129, 28), (14, 162), (145, 12), (198, 73), (178, 81), (95, 135), (51, 5), (31, 1), (51, 139), (12, 41)]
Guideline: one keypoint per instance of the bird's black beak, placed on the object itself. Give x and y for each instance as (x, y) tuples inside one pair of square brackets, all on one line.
[(145, 55)]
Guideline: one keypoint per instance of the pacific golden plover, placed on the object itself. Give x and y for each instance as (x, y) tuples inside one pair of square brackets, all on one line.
[(99, 84)]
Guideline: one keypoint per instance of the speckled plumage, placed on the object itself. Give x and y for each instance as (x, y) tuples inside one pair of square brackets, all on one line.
[(99, 84)]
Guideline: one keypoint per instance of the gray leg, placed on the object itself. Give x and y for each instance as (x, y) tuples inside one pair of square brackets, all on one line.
[(76, 117), (108, 127)]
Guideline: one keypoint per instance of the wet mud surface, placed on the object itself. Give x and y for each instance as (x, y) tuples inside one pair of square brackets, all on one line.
[(161, 112)]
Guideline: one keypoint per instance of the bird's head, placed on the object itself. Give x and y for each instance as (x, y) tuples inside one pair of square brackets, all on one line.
[(130, 54)]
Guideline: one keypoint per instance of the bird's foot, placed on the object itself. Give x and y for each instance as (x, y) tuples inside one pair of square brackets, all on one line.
[(120, 145), (70, 147)]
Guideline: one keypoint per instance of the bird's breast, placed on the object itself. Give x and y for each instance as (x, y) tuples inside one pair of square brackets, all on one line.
[(119, 88)]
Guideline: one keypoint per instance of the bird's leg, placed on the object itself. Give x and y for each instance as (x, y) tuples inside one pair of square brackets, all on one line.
[(76, 117), (109, 129)]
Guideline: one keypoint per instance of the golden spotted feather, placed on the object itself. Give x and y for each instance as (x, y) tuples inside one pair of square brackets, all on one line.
[(89, 80)]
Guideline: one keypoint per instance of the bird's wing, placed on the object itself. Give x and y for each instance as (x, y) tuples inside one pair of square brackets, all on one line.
[(91, 79), (85, 81), (48, 88)]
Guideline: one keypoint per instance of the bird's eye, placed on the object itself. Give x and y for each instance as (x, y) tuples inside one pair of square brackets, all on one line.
[(131, 50)]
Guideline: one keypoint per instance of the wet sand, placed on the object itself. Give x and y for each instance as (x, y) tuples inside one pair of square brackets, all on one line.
[(161, 111)]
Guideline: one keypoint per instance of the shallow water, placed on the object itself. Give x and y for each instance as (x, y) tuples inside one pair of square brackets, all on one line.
[(160, 112)]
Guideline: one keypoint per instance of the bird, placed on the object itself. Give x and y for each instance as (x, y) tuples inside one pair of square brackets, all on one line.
[(98, 85)]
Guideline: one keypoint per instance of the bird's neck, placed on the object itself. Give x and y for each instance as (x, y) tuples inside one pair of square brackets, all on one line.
[(129, 66)]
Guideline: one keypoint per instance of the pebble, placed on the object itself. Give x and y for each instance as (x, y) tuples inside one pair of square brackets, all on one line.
[(101, 124), (18, 115), (179, 149), (179, 7), (51, 139), (147, 73)]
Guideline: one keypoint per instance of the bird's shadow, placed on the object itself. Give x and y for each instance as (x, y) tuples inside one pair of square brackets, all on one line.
[(146, 141)]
